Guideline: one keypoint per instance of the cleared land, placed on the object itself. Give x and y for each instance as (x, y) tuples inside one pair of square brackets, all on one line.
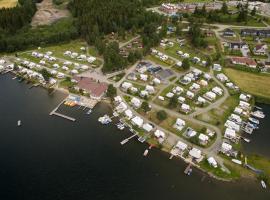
[(47, 13), (256, 84), (8, 3)]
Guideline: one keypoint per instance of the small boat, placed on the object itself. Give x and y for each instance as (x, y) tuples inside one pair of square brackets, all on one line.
[(19, 123), (145, 152), (189, 172), (120, 126), (89, 112), (263, 184), (251, 125), (258, 114), (253, 120), (248, 130), (105, 120), (246, 140)]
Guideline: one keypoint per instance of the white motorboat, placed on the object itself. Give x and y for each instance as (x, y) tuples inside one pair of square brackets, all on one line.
[(258, 114), (263, 184), (145, 152), (255, 121), (19, 123)]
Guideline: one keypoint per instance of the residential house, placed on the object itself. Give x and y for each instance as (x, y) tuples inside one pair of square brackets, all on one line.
[(228, 33), (260, 49), (137, 121), (135, 102), (244, 61)]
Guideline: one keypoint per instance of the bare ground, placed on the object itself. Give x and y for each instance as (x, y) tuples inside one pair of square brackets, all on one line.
[(47, 13)]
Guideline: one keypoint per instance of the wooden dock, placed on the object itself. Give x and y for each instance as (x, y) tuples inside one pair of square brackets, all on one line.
[(54, 112), (63, 116), (127, 139), (187, 168)]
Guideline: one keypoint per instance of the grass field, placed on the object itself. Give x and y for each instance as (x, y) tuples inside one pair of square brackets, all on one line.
[(8, 3), (255, 84)]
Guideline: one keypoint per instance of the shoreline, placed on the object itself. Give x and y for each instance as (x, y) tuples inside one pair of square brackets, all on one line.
[(162, 148)]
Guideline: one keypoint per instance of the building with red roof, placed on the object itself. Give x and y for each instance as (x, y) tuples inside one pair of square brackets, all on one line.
[(96, 89), (244, 61)]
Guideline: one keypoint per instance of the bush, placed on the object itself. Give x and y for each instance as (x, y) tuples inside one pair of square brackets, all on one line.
[(162, 115)]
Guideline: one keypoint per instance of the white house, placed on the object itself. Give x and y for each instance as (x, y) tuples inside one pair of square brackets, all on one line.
[(159, 133), (195, 87), (217, 67), (126, 85), (217, 90), (212, 162), (161, 98), (225, 147), (203, 138), (128, 114), (156, 81), (150, 89), (181, 99), (179, 124), (222, 77), (118, 99), (230, 133), (74, 71), (169, 95), (211, 96), (190, 132), (177, 90), (144, 94), (190, 95), (133, 90), (201, 100), (136, 103), (137, 121), (181, 145), (185, 108), (232, 125), (143, 77), (195, 153), (147, 127)]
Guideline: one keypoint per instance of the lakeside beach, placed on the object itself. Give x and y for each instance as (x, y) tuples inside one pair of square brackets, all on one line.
[(89, 156)]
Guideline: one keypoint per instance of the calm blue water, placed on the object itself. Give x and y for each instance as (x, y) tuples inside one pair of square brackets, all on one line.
[(49, 158)]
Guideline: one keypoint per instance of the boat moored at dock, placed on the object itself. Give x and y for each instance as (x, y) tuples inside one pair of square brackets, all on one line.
[(258, 114)]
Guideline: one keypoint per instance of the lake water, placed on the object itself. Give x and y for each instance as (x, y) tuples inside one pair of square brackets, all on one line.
[(49, 158), (261, 137)]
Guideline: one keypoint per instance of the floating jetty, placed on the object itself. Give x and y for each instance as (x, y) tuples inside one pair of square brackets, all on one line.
[(54, 112), (188, 169), (63, 116), (127, 139)]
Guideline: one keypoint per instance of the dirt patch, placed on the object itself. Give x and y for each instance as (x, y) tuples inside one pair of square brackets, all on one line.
[(47, 13)]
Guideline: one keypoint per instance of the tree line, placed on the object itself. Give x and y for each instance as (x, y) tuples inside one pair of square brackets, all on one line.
[(98, 18), (13, 19)]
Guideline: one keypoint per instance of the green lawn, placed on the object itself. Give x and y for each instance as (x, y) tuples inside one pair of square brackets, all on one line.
[(256, 84), (218, 116)]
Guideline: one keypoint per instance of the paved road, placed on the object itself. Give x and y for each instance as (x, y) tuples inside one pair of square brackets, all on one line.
[(215, 104)]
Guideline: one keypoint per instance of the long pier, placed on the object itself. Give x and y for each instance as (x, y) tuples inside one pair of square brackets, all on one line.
[(54, 112), (127, 139), (188, 168), (63, 116)]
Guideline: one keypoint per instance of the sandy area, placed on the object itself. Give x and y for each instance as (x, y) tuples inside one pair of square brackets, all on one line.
[(8, 3), (47, 13)]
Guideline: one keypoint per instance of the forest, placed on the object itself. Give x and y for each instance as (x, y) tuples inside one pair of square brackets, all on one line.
[(97, 18), (13, 19), (91, 20)]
